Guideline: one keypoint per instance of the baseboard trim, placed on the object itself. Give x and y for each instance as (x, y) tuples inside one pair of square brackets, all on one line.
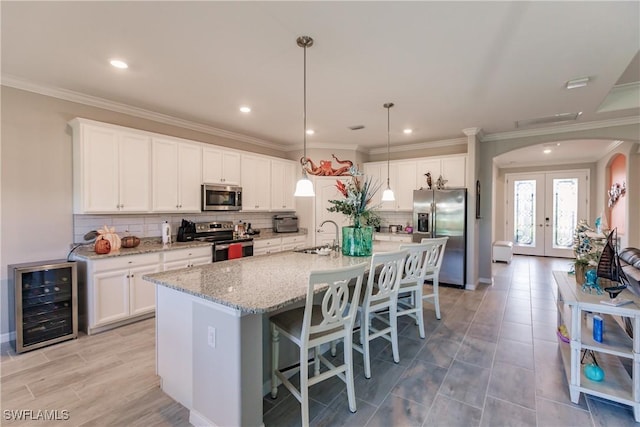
[(7, 337), (198, 420)]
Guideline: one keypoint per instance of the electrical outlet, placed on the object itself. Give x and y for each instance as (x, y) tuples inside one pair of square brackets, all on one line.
[(211, 337)]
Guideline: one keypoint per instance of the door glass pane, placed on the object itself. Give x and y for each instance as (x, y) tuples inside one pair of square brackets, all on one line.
[(565, 210), (524, 212)]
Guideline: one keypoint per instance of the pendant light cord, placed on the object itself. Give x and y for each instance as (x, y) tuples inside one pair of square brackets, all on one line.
[(388, 106), (304, 97), (388, 143)]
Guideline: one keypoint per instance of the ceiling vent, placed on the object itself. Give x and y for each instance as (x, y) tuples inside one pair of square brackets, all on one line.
[(356, 127), (556, 118)]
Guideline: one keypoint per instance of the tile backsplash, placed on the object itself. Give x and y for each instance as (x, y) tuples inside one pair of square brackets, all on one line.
[(395, 218), (149, 225)]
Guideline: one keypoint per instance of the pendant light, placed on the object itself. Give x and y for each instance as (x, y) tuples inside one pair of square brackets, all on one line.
[(387, 195), (304, 187)]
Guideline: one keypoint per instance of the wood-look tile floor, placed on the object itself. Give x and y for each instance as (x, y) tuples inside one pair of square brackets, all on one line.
[(492, 360)]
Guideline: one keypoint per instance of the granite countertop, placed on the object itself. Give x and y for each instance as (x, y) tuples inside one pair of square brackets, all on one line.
[(146, 246), (258, 284)]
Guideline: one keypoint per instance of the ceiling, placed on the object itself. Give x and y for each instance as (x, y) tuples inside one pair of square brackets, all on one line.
[(447, 66)]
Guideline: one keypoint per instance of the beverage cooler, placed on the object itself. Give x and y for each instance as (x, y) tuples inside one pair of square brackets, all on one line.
[(46, 303)]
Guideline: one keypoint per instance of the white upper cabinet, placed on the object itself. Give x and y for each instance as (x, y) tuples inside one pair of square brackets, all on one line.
[(408, 175), (256, 183), (111, 169), (425, 166), (220, 166), (402, 180), (374, 170), (454, 170), (283, 184), (404, 184), (177, 175)]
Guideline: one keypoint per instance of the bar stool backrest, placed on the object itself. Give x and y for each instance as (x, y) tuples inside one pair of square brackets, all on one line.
[(338, 306), (384, 276)]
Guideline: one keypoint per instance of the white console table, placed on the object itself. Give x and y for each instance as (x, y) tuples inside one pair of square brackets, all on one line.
[(573, 306)]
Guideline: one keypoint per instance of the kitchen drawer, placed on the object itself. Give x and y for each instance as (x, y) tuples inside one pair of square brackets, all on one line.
[(293, 242), (120, 262), (266, 243), (189, 253), (382, 237)]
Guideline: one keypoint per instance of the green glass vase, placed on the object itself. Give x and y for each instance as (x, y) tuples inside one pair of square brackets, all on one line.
[(357, 240)]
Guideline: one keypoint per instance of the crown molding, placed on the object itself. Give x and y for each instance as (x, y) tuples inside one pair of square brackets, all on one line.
[(325, 146), (473, 132), (562, 129), (421, 146), (94, 101)]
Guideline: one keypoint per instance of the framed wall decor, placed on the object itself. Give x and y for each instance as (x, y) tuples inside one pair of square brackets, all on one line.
[(477, 199)]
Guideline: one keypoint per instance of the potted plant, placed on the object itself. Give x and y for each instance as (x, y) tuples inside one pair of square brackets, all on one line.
[(357, 238), (373, 219)]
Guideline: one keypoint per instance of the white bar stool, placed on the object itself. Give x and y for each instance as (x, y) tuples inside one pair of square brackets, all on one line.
[(380, 297), (313, 325), (422, 257), (434, 257)]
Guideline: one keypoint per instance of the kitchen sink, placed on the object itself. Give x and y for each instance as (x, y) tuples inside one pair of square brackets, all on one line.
[(312, 250)]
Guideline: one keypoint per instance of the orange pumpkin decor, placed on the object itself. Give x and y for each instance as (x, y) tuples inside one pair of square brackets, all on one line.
[(130, 241), (111, 236), (102, 247)]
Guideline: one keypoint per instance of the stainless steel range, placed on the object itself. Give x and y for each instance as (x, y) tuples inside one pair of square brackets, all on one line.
[(221, 235)]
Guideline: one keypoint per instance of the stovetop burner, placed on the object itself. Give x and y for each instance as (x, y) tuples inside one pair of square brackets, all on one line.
[(218, 232)]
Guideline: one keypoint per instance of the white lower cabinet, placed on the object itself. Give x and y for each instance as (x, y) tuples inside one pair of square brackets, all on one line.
[(291, 243), (267, 246), (116, 291), (404, 238), (183, 258)]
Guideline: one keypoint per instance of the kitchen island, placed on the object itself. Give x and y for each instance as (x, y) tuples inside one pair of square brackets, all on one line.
[(209, 329)]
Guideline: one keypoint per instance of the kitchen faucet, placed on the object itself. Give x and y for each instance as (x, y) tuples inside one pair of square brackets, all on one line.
[(336, 241)]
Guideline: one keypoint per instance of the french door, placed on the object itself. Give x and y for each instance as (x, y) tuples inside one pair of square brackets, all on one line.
[(543, 210)]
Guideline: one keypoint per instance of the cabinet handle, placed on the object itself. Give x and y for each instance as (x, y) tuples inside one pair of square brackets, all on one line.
[(133, 275), (127, 276)]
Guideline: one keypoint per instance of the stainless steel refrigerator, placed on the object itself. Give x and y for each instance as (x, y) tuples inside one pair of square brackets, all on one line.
[(440, 213)]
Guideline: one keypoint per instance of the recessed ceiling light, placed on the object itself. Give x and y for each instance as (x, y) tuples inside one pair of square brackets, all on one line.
[(547, 150), (576, 83), (119, 64), (310, 131), (408, 131), (245, 109)]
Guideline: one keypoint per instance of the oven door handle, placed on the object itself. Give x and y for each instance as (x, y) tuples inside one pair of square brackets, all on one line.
[(221, 247)]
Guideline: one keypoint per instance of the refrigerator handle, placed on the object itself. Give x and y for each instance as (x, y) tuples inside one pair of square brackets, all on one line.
[(432, 220)]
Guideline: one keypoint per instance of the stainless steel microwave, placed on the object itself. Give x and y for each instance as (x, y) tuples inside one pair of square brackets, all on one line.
[(216, 197)]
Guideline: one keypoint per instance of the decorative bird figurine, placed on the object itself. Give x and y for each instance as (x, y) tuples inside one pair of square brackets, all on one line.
[(428, 175)]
